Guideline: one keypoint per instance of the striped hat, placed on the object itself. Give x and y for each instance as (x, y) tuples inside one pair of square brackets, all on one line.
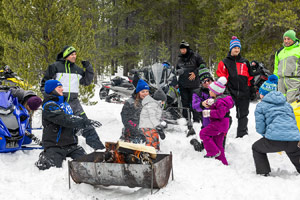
[(269, 85), (218, 87), (234, 42)]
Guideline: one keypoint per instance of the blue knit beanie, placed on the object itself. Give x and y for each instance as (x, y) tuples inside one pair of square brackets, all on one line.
[(234, 42), (142, 85), (50, 85), (269, 85)]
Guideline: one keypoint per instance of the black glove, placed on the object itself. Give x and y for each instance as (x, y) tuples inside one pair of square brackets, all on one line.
[(85, 63), (160, 131), (92, 139), (138, 137), (93, 123), (94, 142)]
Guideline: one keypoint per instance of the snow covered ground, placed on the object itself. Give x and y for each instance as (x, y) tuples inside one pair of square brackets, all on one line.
[(195, 176)]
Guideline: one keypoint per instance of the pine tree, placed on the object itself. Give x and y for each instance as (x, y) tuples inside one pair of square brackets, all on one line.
[(38, 30)]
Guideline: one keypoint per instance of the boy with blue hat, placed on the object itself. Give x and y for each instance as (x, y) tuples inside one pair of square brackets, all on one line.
[(275, 121)]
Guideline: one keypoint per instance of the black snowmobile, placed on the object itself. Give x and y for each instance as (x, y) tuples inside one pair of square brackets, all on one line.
[(259, 79), (162, 76)]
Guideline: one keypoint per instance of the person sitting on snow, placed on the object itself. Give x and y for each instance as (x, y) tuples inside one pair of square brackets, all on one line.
[(275, 121), (199, 102), (130, 114), (150, 118), (59, 132), (213, 134)]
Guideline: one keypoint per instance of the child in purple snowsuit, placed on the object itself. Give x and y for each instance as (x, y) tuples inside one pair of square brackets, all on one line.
[(213, 134)]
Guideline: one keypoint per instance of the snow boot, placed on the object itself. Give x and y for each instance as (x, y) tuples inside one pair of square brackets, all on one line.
[(217, 155), (197, 145)]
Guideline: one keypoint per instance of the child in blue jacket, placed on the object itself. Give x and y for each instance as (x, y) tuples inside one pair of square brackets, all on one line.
[(275, 121)]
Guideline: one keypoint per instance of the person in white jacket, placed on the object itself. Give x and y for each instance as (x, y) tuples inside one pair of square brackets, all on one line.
[(150, 118)]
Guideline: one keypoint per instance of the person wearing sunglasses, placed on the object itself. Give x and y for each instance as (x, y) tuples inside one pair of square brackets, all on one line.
[(200, 103)]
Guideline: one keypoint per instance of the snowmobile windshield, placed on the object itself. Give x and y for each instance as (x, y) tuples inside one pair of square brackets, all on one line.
[(157, 70)]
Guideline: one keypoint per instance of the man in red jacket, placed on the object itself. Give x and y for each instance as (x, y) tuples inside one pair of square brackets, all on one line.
[(238, 72)]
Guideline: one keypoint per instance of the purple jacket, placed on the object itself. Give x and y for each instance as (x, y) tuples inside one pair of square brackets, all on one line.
[(219, 116), (199, 96)]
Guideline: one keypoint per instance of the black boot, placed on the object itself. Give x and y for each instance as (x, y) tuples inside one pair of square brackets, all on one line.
[(197, 145)]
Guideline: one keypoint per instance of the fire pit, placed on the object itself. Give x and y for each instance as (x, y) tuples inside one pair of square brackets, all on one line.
[(92, 169)]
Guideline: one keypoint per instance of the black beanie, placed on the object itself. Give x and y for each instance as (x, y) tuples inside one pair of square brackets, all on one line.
[(67, 50)]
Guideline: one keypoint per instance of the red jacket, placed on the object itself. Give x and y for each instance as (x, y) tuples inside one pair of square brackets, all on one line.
[(238, 72)]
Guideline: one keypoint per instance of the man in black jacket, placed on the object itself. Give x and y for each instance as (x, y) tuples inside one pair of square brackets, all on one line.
[(71, 76), (59, 132), (188, 66)]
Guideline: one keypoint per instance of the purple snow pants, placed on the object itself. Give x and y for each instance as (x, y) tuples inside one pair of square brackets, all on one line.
[(213, 142)]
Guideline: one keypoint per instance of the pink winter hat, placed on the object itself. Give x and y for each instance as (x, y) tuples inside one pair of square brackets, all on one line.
[(218, 87)]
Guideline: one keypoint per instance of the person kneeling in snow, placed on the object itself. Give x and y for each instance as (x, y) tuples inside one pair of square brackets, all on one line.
[(218, 113), (150, 118), (275, 121), (59, 132)]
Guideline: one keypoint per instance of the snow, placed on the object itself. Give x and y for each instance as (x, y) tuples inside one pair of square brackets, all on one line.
[(195, 177)]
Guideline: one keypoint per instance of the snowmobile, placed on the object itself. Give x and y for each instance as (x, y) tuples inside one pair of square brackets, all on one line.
[(162, 76), (15, 131), (258, 80), (120, 88), (9, 78)]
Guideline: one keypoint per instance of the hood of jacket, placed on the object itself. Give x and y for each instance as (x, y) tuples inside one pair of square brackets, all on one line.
[(274, 97), (148, 99)]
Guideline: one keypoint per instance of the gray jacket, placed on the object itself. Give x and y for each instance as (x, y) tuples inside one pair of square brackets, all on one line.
[(151, 113)]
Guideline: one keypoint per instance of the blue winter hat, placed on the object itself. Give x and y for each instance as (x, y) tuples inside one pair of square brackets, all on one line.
[(142, 85), (234, 42), (50, 85), (269, 85)]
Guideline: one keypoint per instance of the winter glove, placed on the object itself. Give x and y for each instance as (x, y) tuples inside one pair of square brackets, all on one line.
[(138, 137), (132, 127), (160, 131), (210, 102), (93, 123), (164, 124), (206, 113), (92, 139), (85, 63)]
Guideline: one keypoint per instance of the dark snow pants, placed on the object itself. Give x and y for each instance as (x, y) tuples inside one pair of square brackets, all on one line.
[(263, 146), (54, 156), (186, 95), (242, 111), (90, 134)]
